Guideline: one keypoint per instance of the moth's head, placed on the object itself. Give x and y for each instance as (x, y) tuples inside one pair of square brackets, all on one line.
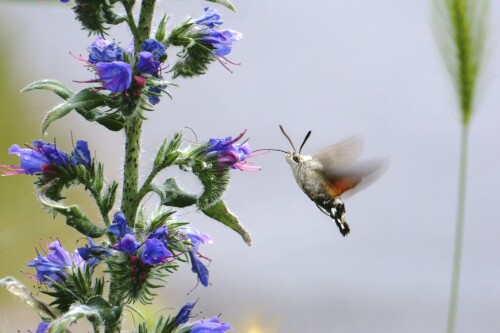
[(293, 158)]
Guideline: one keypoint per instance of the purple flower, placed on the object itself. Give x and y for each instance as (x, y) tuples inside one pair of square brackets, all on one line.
[(116, 76), (36, 159), (119, 226), (55, 265), (221, 41), (102, 50), (199, 268), (161, 234), (154, 93), (184, 313), (210, 19), (196, 237), (92, 252), (230, 154), (210, 326), (154, 252), (154, 47), (147, 63), (127, 244), (43, 326), (81, 154)]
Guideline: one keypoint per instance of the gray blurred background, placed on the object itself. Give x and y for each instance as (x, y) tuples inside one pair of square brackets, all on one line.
[(337, 68)]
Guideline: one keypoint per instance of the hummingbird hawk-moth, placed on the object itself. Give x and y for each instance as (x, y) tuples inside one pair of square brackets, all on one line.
[(327, 175)]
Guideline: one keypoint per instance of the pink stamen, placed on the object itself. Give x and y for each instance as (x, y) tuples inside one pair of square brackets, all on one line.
[(237, 138), (232, 63), (223, 64)]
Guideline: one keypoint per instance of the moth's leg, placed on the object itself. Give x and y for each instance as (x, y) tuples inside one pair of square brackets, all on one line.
[(325, 211), (338, 215)]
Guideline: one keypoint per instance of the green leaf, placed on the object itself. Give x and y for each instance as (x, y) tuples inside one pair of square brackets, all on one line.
[(86, 99), (19, 290), (226, 3), (112, 121), (75, 313), (172, 195), (219, 212), (109, 314), (74, 216), (55, 86)]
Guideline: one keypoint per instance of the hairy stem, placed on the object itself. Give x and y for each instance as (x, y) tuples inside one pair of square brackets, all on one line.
[(457, 255), (133, 130), (145, 20), (133, 127), (130, 18)]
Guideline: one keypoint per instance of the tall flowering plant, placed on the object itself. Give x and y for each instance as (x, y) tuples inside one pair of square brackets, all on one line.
[(129, 253)]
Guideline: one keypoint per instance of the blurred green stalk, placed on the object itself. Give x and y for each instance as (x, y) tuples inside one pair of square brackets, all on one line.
[(460, 28)]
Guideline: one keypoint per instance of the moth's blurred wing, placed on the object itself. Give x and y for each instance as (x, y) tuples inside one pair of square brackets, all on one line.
[(341, 153), (348, 180)]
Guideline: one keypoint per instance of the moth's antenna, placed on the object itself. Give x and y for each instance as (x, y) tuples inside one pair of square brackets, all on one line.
[(270, 149), (304, 142), (286, 136)]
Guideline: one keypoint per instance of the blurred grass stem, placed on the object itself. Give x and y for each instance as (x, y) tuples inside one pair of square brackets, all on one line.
[(457, 253), (460, 29)]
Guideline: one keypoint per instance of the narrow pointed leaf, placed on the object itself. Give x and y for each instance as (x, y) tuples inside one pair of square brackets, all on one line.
[(108, 314), (219, 212), (225, 3), (86, 99), (19, 290), (172, 195), (74, 216), (74, 314), (55, 86)]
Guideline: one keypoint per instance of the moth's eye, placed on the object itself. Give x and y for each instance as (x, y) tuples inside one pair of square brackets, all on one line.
[(296, 158)]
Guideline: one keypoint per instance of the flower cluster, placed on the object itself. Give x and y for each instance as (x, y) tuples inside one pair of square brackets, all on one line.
[(43, 157), (151, 55), (56, 265), (212, 325), (230, 154), (115, 74), (154, 248), (196, 238), (107, 59), (219, 40)]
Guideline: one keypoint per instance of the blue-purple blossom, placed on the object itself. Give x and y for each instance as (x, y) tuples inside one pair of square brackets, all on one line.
[(42, 156), (161, 234), (154, 252), (43, 326), (221, 41), (211, 18), (154, 93), (36, 159), (147, 63), (212, 325), (119, 227), (199, 268), (102, 50), (154, 47), (196, 237), (116, 76), (92, 252), (231, 154), (54, 267), (127, 244), (184, 313), (81, 154)]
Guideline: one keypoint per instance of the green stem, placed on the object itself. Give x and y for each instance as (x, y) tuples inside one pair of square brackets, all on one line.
[(145, 20), (130, 19), (457, 255), (133, 130)]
